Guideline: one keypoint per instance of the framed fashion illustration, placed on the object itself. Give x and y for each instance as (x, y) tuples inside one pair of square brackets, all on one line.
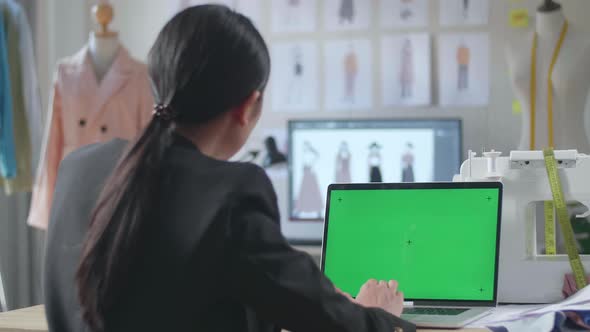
[(295, 77), (406, 70), (464, 69), (348, 75), (343, 15)]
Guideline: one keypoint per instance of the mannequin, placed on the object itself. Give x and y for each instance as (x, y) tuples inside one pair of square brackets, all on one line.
[(548, 6), (570, 77), (103, 45)]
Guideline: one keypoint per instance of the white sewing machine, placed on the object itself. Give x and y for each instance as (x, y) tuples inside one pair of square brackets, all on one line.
[(525, 276)]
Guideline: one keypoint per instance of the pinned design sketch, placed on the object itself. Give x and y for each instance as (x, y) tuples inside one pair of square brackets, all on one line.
[(348, 75), (294, 78), (405, 70), (464, 69), (404, 13), (464, 12), (293, 16)]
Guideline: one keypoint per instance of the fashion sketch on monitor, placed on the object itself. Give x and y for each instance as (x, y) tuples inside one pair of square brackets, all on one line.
[(343, 164), (350, 74), (407, 69), (375, 163), (408, 164), (309, 201)]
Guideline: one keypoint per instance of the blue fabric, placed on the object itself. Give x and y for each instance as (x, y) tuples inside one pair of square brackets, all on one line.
[(7, 150), (560, 319), (585, 315)]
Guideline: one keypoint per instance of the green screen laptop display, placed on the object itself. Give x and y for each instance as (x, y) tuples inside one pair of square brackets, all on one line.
[(440, 244)]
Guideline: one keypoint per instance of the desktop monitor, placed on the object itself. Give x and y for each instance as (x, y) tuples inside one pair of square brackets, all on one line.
[(323, 152)]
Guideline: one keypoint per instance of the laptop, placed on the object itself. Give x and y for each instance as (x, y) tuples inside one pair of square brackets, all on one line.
[(440, 241)]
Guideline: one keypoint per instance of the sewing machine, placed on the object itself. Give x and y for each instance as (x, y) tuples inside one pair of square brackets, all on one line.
[(526, 274)]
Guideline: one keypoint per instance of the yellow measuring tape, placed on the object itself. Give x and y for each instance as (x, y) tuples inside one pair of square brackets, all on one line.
[(550, 248), (563, 219)]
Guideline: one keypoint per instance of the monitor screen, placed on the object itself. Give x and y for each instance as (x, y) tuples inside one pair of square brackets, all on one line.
[(439, 244), (362, 151)]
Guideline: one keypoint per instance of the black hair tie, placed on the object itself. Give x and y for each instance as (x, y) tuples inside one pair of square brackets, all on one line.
[(164, 112)]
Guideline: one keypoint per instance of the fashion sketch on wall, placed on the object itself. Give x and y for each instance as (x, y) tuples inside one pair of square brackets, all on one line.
[(465, 9), (346, 15), (464, 12), (249, 8), (375, 174), (463, 57), (295, 91), (294, 78), (351, 68), (406, 10), (309, 201), (464, 69), (404, 13), (293, 16), (407, 69), (343, 164), (346, 11), (408, 164), (348, 83)]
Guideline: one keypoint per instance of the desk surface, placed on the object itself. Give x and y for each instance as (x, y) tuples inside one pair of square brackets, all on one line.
[(25, 320), (33, 320)]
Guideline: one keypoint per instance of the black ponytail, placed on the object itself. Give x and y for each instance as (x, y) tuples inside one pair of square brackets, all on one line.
[(206, 60), (117, 221)]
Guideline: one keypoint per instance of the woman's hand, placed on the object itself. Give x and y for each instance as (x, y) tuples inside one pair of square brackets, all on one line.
[(382, 294)]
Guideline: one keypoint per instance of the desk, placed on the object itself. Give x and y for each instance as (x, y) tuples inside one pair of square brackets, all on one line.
[(33, 320), (25, 320)]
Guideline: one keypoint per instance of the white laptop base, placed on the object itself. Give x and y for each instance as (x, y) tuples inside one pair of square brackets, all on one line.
[(445, 321)]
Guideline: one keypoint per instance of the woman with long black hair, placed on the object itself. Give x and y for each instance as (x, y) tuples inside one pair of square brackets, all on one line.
[(164, 234)]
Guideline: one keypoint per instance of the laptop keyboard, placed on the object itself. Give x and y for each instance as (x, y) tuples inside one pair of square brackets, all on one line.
[(434, 311)]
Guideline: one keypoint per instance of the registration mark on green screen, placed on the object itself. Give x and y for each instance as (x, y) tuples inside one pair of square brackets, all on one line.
[(440, 244)]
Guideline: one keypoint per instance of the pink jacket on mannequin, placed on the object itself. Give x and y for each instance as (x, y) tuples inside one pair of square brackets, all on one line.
[(84, 111)]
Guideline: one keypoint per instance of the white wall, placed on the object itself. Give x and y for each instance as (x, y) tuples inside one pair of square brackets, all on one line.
[(139, 21)]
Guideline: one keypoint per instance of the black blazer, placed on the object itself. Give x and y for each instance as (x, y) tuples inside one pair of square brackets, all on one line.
[(214, 260)]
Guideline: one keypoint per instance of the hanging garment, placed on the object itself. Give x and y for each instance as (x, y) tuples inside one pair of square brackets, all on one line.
[(7, 153), (84, 111), (22, 182), (30, 82)]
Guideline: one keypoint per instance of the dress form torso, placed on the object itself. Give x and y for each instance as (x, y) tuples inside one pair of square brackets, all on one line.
[(571, 83), (103, 51)]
